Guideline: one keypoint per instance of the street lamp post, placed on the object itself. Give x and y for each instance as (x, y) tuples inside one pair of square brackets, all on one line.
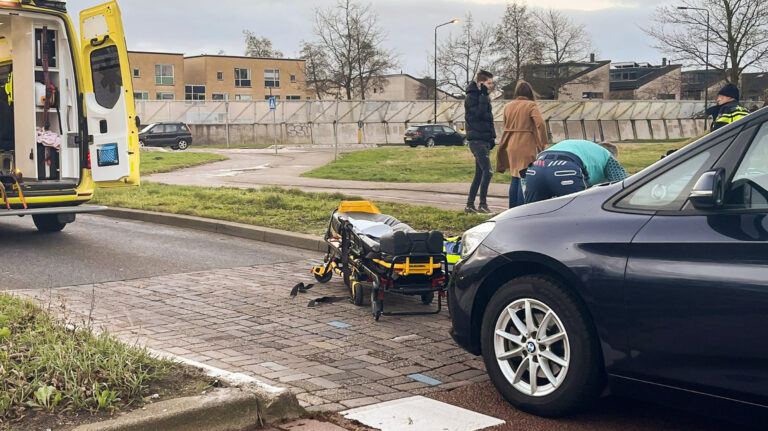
[(706, 61), (453, 21)]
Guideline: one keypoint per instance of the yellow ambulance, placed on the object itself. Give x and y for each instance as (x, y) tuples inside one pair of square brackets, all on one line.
[(67, 117)]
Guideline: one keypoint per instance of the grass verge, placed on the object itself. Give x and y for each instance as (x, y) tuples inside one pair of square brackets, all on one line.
[(274, 207), (224, 146), (449, 164), (154, 162), (47, 367)]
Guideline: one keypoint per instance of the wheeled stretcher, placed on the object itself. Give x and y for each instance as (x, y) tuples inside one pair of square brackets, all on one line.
[(367, 247)]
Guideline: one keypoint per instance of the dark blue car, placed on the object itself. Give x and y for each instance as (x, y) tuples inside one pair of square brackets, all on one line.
[(655, 287)]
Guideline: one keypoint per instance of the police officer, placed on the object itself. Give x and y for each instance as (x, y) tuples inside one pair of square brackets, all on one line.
[(727, 109), (569, 167)]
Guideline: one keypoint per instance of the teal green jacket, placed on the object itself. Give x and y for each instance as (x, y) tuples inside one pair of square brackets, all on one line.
[(601, 167)]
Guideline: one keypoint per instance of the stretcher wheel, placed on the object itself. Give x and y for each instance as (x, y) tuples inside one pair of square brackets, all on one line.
[(357, 293), (427, 298), (377, 305), (325, 278)]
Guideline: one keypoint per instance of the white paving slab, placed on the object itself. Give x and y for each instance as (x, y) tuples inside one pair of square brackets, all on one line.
[(420, 414)]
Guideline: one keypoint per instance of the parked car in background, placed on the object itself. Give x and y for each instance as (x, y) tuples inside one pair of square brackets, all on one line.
[(654, 287), (430, 135), (175, 135)]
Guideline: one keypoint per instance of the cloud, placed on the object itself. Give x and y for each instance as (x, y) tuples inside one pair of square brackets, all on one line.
[(581, 5)]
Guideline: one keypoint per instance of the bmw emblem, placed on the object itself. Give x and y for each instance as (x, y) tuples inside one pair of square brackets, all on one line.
[(531, 347)]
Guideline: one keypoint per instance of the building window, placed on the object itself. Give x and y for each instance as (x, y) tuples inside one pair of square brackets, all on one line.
[(268, 96), (272, 78), (165, 95), (591, 95), (242, 97), (136, 72), (141, 95), (219, 96), (242, 77), (164, 74), (292, 97), (220, 75), (194, 92), (293, 79), (666, 96)]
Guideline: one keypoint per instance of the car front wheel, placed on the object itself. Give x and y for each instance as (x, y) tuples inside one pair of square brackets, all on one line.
[(430, 142), (539, 347)]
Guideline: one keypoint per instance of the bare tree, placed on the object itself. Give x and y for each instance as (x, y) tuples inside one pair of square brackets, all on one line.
[(256, 46), (513, 42), (738, 33), (460, 57), (350, 36), (317, 69), (561, 41)]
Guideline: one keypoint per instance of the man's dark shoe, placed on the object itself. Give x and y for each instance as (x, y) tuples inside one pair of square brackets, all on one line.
[(483, 209), (470, 209)]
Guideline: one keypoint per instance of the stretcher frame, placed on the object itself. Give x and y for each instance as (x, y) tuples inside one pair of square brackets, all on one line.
[(346, 258)]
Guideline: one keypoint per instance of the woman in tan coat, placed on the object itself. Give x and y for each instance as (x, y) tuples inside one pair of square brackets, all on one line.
[(524, 137)]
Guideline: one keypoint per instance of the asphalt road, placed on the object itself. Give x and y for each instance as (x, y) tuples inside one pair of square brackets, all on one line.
[(98, 249)]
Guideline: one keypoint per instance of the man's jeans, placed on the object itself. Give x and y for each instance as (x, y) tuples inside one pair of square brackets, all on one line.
[(483, 171)]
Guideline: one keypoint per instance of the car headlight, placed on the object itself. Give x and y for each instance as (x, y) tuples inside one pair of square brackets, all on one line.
[(473, 237)]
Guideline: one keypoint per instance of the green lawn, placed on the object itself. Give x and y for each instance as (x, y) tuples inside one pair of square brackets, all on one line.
[(153, 162), (273, 207), (448, 164), (46, 366)]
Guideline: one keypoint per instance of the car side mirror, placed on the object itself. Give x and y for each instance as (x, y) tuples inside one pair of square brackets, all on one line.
[(138, 122), (709, 191)]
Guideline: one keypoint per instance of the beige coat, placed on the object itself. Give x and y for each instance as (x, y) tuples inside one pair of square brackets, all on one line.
[(524, 137)]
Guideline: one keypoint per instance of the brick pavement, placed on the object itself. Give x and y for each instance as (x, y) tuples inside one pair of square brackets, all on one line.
[(243, 320)]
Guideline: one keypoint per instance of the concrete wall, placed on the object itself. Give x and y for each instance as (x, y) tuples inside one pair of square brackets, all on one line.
[(325, 122)]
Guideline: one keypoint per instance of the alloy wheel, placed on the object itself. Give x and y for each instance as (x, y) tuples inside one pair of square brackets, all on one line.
[(531, 347)]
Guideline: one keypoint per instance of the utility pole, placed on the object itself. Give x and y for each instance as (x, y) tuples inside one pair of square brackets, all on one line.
[(453, 21)]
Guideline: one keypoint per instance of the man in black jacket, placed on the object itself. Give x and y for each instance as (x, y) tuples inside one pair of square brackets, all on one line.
[(481, 136), (727, 109)]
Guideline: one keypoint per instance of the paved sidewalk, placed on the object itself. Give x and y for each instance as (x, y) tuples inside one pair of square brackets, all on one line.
[(243, 320), (248, 168)]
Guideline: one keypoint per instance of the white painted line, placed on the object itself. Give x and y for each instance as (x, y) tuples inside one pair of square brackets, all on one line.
[(420, 414), (229, 377)]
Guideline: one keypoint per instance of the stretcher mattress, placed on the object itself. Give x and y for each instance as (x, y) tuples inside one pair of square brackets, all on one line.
[(381, 233)]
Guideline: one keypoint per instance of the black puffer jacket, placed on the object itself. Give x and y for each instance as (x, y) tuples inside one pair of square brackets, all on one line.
[(478, 115)]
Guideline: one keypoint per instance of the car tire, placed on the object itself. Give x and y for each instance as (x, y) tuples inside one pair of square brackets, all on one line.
[(464, 142), (413, 145), (181, 144), (48, 223), (430, 143), (569, 372), (141, 144)]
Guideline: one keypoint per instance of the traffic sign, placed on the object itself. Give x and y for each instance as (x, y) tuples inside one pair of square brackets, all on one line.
[(272, 104)]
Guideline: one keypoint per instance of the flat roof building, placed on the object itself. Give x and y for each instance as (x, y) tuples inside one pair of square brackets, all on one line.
[(571, 81), (157, 75), (223, 77)]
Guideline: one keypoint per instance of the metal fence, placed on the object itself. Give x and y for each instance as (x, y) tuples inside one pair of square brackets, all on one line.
[(334, 121)]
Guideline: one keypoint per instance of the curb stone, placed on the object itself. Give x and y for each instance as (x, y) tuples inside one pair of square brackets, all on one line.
[(228, 409), (241, 230)]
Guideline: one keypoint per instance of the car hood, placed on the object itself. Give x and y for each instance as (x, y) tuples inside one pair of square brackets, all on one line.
[(535, 208), (554, 204)]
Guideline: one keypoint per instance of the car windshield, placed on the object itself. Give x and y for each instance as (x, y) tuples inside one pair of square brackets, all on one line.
[(147, 128)]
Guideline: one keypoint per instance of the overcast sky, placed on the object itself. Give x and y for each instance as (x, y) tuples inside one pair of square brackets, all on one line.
[(197, 26)]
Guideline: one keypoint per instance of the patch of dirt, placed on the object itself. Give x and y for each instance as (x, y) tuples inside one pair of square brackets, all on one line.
[(180, 381), (341, 421)]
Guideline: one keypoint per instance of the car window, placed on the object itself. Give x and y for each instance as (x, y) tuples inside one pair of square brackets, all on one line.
[(749, 187), (448, 130), (413, 128), (670, 190), (171, 128)]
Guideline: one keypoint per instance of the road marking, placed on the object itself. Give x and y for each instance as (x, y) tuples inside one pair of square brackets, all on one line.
[(420, 414), (425, 379)]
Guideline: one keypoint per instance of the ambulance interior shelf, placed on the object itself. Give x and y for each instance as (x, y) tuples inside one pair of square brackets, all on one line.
[(44, 151)]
